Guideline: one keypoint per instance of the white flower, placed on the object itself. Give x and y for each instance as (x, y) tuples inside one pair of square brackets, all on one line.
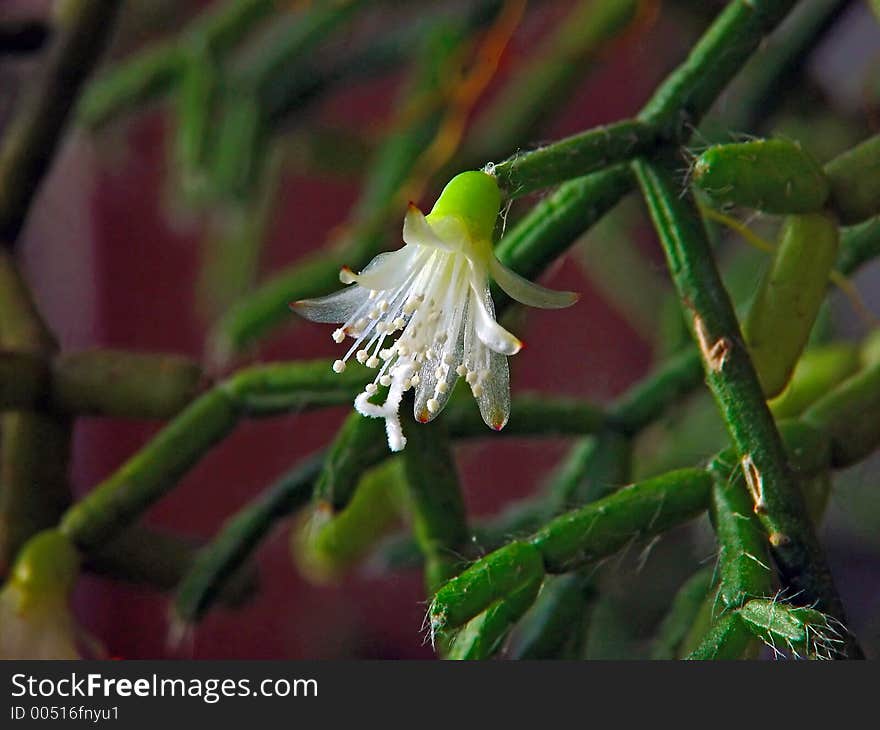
[(433, 296)]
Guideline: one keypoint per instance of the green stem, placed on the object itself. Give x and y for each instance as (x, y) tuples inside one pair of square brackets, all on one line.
[(151, 72), (631, 514), (729, 638), (575, 156), (116, 383), (859, 245), (848, 414), (32, 136), (734, 384), (485, 634), (673, 112), (855, 181), (223, 557), (533, 415), (35, 447), (683, 612), (144, 556), (435, 499), (743, 557)]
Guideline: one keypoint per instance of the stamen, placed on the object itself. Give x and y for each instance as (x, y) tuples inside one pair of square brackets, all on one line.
[(338, 366)]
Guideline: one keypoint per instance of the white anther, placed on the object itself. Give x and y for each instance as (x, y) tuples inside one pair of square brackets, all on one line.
[(442, 387), (433, 405), (373, 361), (477, 390), (338, 336), (338, 366), (362, 356), (461, 370), (415, 380), (471, 377), (385, 380), (371, 388)]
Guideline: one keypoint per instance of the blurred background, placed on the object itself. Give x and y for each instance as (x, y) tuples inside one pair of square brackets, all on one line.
[(133, 245)]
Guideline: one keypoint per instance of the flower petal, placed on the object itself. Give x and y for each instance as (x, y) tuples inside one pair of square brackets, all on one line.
[(418, 232), (527, 292), (491, 334), (387, 270), (494, 400), (337, 307)]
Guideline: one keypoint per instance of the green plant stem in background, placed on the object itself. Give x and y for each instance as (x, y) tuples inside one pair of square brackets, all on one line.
[(150, 73), (359, 445), (535, 415), (99, 383), (156, 468), (435, 500), (146, 556), (325, 546), (784, 309), (34, 447), (557, 624), (224, 556), (855, 181), (683, 613), (848, 414), (118, 383), (858, 246), (32, 136), (732, 380), (766, 78)]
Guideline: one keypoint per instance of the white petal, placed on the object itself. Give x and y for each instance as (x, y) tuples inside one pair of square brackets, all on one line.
[(387, 270), (491, 334), (418, 232), (494, 401), (527, 292), (337, 307), (493, 381)]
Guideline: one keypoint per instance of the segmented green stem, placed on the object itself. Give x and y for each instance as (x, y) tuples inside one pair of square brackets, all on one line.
[(435, 500), (732, 380)]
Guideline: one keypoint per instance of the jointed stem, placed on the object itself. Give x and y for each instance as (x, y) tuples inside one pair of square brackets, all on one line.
[(732, 379)]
